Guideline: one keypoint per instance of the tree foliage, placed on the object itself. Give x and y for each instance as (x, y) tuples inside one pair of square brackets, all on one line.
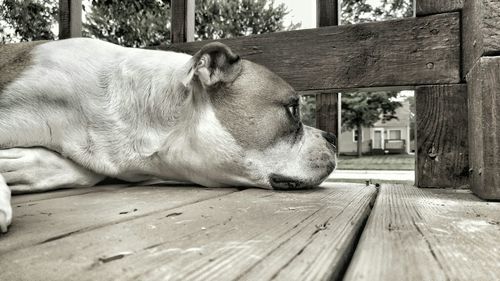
[(129, 23), (142, 23), (26, 20), (359, 11), (238, 18)]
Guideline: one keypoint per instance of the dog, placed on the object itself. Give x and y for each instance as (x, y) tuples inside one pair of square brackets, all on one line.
[(75, 111)]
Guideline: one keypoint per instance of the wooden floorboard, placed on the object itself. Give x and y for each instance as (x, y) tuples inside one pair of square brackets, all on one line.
[(39, 218), (251, 235), (417, 234)]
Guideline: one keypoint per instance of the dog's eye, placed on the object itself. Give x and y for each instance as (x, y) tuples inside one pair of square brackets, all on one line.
[(293, 109)]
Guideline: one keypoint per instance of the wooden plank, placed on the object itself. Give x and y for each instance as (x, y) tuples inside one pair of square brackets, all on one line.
[(80, 213), (429, 7), (442, 154), (327, 13), (70, 18), (481, 35), (483, 84), (327, 106), (253, 234), (327, 113), (34, 197), (413, 51), (425, 234), (182, 28)]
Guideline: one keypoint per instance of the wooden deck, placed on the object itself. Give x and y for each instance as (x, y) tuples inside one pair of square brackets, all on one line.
[(183, 232)]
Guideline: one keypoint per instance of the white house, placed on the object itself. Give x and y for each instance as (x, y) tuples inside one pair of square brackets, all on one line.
[(384, 137)]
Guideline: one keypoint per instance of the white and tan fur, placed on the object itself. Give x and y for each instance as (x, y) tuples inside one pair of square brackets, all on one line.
[(84, 110)]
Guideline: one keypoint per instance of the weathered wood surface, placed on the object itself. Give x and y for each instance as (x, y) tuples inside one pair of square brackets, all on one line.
[(483, 86), (327, 113), (70, 18), (424, 234), (413, 51), (442, 138), (428, 7), (327, 12), (481, 35), (77, 213), (182, 26), (251, 234)]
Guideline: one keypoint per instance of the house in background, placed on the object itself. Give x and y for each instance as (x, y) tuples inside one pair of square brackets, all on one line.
[(383, 138)]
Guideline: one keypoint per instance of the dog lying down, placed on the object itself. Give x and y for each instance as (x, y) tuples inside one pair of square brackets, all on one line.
[(73, 112)]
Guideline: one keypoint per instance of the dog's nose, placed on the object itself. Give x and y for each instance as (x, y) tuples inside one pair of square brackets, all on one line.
[(331, 138)]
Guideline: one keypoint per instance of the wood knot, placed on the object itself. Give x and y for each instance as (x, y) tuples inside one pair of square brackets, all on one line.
[(430, 65)]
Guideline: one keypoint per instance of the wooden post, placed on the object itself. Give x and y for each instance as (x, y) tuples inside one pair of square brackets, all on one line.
[(328, 105), (442, 146), (481, 67), (70, 18), (182, 29)]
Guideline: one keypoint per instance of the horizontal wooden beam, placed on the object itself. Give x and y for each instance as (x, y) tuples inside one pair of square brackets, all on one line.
[(429, 7), (442, 154), (483, 86), (481, 25), (403, 52)]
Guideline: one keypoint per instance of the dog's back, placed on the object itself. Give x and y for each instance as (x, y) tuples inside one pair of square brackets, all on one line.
[(14, 59)]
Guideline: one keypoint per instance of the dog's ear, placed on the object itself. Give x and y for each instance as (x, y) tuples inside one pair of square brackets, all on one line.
[(215, 63)]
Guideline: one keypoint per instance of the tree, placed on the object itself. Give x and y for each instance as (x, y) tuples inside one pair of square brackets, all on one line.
[(363, 109), (358, 11), (145, 23), (27, 20), (129, 23)]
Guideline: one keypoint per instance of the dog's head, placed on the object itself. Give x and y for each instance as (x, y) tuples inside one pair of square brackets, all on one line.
[(245, 128)]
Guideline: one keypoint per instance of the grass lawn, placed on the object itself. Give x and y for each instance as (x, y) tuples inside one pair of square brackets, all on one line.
[(377, 162)]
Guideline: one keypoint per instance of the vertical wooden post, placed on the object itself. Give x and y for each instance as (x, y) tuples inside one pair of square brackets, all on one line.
[(481, 67), (70, 18), (182, 21), (328, 104)]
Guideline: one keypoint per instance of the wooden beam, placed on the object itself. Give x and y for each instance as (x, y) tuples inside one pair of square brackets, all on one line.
[(481, 36), (327, 104), (428, 234), (442, 146), (182, 28), (483, 83), (414, 51), (327, 13), (429, 7), (70, 18)]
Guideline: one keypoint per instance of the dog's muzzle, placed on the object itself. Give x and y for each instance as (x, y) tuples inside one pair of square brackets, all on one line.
[(279, 182)]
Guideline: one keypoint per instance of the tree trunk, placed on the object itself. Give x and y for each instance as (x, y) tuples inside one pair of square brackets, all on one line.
[(360, 141)]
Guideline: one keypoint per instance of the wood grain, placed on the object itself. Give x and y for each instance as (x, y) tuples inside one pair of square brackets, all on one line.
[(327, 113), (327, 13), (182, 27), (425, 234), (70, 18), (412, 51), (252, 235), (429, 7), (483, 83), (481, 35), (77, 213), (442, 138)]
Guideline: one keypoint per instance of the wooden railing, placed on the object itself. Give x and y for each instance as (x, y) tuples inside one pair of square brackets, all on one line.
[(448, 53)]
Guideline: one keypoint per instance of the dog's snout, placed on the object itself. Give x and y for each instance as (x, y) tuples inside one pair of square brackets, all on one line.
[(331, 138)]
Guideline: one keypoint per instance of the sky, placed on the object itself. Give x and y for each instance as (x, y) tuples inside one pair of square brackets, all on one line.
[(305, 11)]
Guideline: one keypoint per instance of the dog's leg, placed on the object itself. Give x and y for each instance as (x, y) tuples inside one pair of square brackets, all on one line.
[(40, 169), (5, 208)]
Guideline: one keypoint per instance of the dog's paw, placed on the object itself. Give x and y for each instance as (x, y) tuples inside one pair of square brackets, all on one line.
[(5, 218)]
